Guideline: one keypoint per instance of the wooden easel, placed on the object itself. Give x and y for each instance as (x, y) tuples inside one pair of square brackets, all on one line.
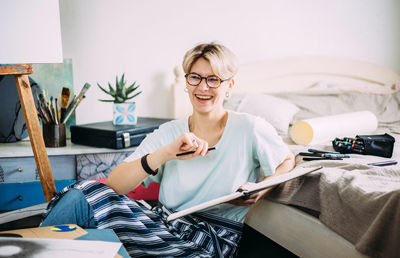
[(20, 72)]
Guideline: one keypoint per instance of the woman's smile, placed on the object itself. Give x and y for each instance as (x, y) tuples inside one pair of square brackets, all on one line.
[(203, 98)]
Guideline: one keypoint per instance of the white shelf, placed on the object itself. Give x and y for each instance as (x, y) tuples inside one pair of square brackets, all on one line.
[(23, 149)]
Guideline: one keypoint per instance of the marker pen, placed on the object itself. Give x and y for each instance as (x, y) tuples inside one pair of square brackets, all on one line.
[(383, 163), (322, 151), (191, 152)]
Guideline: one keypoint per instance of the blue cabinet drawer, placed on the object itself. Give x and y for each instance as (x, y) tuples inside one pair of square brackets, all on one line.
[(19, 170), (21, 195)]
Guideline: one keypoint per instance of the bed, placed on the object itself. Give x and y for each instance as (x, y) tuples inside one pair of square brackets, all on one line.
[(349, 209)]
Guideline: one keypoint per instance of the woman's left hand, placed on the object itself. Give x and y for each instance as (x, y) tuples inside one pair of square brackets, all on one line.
[(287, 165), (252, 199)]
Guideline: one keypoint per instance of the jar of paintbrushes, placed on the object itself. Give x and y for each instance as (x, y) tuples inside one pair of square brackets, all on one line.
[(54, 115)]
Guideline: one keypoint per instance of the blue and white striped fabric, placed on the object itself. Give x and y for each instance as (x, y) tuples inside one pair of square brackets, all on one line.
[(145, 233)]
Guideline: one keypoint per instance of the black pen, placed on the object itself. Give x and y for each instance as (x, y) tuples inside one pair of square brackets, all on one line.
[(334, 155), (324, 155), (320, 158), (191, 152), (357, 151), (323, 151), (383, 163)]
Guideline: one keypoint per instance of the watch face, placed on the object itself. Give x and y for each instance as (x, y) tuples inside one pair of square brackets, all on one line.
[(12, 121)]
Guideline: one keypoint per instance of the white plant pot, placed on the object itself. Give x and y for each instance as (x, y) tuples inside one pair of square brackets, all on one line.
[(124, 113)]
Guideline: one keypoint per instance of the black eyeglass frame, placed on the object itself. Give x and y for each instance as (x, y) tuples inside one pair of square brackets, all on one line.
[(206, 78)]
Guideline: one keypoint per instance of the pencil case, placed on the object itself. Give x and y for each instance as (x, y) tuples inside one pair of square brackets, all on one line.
[(377, 145)]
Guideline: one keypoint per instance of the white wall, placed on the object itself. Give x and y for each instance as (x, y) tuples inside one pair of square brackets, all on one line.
[(145, 39)]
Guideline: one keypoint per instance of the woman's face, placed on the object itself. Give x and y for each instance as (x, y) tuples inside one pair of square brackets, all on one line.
[(203, 98)]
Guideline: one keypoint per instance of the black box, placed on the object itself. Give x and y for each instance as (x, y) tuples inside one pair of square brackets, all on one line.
[(107, 135)]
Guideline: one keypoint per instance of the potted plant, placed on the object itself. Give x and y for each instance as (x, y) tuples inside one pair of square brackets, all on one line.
[(124, 112)]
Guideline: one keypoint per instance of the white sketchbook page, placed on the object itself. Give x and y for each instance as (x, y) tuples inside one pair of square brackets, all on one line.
[(297, 172)]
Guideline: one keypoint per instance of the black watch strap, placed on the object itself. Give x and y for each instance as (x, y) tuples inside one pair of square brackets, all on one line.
[(146, 166)]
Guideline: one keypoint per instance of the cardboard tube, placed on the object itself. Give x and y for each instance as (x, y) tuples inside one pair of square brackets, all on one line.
[(320, 129)]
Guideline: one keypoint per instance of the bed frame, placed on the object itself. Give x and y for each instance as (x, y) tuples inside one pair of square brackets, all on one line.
[(297, 231)]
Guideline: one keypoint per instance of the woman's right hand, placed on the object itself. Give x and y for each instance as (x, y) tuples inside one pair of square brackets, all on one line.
[(122, 179), (187, 142)]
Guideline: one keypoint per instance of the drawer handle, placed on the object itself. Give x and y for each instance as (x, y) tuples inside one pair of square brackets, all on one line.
[(20, 169), (19, 197)]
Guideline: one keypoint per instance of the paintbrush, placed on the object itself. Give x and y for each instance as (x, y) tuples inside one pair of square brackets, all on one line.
[(57, 112), (53, 111), (71, 103), (64, 102), (79, 97), (45, 119), (48, 107), (83, 92), (50, 112), (45, 108), (75, 102), (69, 113)]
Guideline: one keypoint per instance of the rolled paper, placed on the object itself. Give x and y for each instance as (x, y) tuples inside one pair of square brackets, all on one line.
[(321, 129)]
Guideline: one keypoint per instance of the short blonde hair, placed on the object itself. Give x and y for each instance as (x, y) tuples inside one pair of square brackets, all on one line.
[(222, 60)]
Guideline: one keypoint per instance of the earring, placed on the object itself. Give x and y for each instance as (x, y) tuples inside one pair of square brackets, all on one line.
[(185, 90), (227, 95)]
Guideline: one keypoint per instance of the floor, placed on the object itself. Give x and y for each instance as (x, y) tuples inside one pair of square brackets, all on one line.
[(256, 245), (252, 245), (28, 222)]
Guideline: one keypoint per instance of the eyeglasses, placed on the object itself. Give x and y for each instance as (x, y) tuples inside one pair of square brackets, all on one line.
[(212, 81)]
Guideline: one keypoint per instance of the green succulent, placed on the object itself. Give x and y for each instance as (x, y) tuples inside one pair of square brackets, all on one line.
[(121, 93)]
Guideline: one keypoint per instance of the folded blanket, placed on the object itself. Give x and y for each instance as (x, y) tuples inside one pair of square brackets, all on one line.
[(359, 202), (362, 204)]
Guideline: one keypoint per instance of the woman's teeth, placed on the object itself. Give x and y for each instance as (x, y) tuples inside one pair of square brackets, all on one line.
[(203, 97)]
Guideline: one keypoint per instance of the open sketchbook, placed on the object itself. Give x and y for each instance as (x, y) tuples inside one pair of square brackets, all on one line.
[(297, 172)]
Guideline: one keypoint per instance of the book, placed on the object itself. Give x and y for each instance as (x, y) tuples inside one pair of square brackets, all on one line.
[(297, 172)]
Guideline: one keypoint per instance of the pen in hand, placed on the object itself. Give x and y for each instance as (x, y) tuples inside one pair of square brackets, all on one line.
[(191, 152)]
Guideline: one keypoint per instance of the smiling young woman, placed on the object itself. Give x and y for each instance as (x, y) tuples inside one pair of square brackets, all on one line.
[(244, 144)]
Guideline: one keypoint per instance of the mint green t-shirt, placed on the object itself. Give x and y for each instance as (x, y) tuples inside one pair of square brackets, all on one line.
[(247, 144)]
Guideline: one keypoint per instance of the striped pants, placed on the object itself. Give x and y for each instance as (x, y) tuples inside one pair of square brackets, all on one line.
[(145, 232)]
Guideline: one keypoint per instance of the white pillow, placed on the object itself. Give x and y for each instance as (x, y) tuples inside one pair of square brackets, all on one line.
[(278, 112)]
